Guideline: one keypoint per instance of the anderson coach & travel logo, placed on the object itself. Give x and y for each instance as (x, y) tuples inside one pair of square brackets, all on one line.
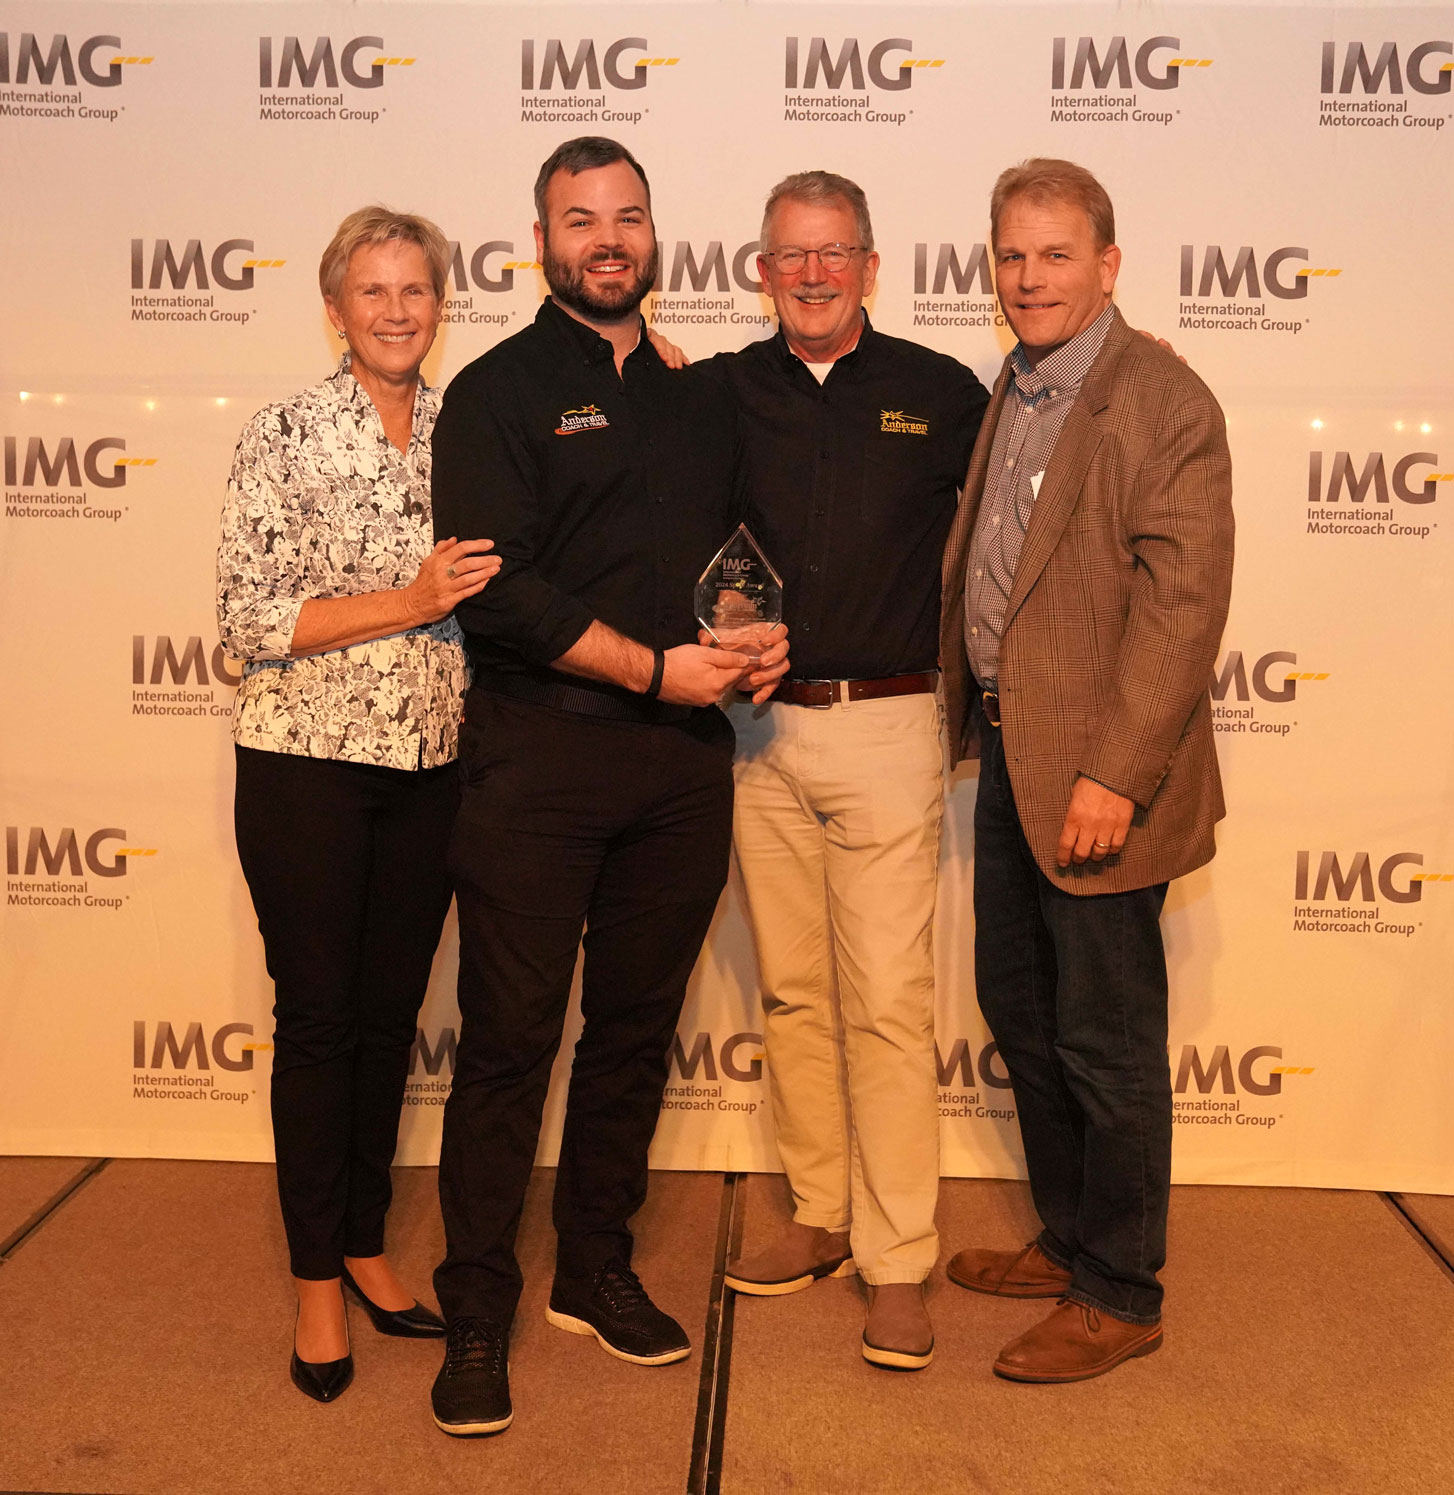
[(325, 79), (1228, 290), (166, 272), (572, 83), (1381, 86), (63, 868), (56, 477), (1099, 81), (1361, 893), (1244, 686), (842, 81), (61, 78), (1375, 495)]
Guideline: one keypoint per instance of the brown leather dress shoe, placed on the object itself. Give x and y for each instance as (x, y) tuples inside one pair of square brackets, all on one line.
[(1009, 1274), (1074, 1344)]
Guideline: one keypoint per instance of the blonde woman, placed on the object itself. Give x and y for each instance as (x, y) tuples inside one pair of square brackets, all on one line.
[(331, 590)]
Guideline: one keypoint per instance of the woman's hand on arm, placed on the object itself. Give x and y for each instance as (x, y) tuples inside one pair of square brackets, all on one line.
[(453, 571)]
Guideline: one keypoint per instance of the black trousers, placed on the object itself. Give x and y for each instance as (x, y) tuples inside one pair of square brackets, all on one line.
[(1074, 991), (567, 822), (346, 863)]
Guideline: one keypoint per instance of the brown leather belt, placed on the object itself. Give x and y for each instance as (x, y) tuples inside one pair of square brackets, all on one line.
[(824, 693)]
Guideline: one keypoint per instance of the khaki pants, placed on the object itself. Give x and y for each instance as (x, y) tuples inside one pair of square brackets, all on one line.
[(836, 830)]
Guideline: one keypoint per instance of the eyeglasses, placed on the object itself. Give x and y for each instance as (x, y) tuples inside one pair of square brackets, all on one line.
[(832, 257)]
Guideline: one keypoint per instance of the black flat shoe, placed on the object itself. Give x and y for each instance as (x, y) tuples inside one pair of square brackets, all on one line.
[(323, 1380), (417, 1322)]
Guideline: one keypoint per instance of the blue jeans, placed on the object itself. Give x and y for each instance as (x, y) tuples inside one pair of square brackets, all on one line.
[(1073, 988)]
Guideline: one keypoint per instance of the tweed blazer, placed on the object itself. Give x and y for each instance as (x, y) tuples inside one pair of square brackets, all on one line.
[(1114, 618)]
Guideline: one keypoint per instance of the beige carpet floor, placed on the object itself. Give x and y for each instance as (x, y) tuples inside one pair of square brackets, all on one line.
[(1309, 1351), (145, 1332)]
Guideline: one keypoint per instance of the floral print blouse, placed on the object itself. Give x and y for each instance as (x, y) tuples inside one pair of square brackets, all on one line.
[(322, 504)]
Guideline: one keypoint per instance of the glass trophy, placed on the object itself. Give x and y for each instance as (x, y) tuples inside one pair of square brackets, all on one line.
[(740, 596)]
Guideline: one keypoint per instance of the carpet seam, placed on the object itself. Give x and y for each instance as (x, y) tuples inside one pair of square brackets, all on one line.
[(1411, 1223), (19, 1236), (705, 1471)]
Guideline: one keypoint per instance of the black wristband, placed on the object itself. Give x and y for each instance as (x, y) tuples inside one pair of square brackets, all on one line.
[(658, 669)]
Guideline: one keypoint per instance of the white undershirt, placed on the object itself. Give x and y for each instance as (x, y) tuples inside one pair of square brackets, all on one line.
[(818, 370)]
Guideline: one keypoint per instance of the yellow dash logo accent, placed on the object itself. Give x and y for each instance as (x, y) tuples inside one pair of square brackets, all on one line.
[(658, 62), (1291, 1069), (586, 418), (393, 62), (1295, 676), (263, 264), (136, 851), (896, 423), (257, 1048), (524, 265), (1432, 877), (131, 61), (1329, 273), (1190, 62), (135, 462), (923, 62)]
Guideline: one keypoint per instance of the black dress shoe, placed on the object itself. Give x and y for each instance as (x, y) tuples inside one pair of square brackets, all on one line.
[(471, 1395), (417, 1322), (614, 1306), (323, 1380)]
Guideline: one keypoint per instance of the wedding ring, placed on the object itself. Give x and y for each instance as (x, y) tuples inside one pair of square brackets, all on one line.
[(450, 572), (1103, 843)]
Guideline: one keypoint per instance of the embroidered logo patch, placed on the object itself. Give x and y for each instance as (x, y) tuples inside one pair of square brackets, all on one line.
[(899, 424), (587, 418)]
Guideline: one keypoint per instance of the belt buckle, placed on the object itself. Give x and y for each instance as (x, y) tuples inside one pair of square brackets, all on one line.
[(991, 715), (832, 700)]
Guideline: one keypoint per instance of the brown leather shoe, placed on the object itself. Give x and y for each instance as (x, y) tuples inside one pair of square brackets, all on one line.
[(1075, 1343), (797, 1257), (897, 1333), (1008, 1274)]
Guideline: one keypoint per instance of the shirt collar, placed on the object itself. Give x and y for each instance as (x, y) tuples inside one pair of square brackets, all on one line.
[(354, 396), (592, 347), (1061, 372), (790, 358)]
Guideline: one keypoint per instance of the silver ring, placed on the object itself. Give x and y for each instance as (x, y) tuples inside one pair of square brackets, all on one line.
[(450, 572)]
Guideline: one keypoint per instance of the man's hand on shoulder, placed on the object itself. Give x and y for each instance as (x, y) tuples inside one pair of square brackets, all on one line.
[(671, 355), (1162, 343), (1095, 824)]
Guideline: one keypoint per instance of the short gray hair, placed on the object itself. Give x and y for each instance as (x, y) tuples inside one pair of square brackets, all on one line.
[(584, 153), (1043, 179), (820, 187), (380, 225)]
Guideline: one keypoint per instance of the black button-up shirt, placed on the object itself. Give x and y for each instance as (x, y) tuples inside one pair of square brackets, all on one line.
[(851, 488), (606, 495)]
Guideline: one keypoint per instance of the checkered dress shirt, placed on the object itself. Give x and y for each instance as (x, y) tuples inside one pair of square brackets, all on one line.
[(1024, 440)]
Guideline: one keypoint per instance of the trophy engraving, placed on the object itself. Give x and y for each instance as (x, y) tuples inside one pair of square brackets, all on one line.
[(740, 596)]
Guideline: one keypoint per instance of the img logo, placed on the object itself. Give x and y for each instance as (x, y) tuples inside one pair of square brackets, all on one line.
[(1116, 67), (27, 60), (698, 281), (835, 86), (1240, 692), (161, 1048), (1336, 476), (1322, 877), (52, 478), (178, 678), (295, 69), (957, 273), (163, 264), (481, 268), (585, 68), (53, 868), (1374, 86), (1237, 284)]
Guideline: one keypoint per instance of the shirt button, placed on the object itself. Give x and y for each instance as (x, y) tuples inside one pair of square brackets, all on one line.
[(996, 519), (1010, 462), (824, 455), (978, 575), (974, 631), (812, 568)]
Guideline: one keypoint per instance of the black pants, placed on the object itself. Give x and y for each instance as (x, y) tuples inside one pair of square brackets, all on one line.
[(570, 821), (347, 867), (1074, 991)]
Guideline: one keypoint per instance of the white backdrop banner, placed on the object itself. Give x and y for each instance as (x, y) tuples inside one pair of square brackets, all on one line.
[(1281, 178)]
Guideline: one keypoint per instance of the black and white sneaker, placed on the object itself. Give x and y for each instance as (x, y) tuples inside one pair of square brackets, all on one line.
[(615, 1307), (471, 1394)]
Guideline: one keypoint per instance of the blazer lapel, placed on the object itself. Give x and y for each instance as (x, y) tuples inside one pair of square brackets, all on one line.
[(1060, 488)]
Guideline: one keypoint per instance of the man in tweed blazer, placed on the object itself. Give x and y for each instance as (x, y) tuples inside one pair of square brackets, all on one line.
[(1085, 588)]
